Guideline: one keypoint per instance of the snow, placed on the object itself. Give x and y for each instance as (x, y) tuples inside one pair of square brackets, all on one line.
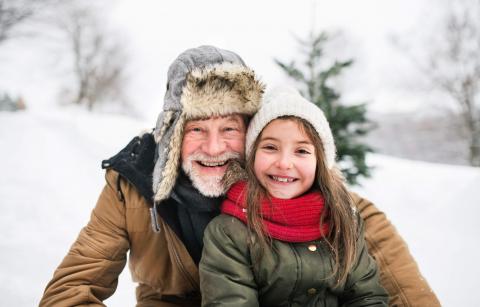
[(52, 161), (435, 208), (52, 177)]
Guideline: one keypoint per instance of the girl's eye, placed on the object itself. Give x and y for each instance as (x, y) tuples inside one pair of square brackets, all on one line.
[(303, 151), (268, 147)]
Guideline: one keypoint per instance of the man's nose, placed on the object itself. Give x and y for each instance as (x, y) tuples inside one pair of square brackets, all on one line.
[(214, 144)]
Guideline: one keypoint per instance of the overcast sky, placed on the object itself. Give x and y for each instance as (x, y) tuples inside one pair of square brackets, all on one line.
[(155, 32)]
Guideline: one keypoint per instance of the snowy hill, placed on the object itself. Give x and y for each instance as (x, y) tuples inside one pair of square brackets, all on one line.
[(417, 133), (52, 177)]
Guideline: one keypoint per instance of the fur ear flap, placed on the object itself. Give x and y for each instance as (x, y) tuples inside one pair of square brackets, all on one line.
[(168, 148), (235, 172), (164, 121)]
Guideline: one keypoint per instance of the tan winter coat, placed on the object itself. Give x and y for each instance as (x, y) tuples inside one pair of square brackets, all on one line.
[(166, 273)]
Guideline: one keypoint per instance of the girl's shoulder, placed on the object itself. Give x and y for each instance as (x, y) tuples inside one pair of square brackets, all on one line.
[(227, 233), (227, 225)]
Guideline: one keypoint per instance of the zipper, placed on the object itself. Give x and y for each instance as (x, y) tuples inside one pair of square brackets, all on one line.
[(182, 268)]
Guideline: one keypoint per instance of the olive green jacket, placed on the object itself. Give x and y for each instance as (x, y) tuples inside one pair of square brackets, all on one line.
[(288, 274)]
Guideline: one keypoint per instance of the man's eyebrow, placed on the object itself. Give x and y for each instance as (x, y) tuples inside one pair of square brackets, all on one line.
[(233, 119), (190, 123)]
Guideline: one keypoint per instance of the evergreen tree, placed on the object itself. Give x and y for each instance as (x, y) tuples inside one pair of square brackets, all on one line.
[(348, 122)]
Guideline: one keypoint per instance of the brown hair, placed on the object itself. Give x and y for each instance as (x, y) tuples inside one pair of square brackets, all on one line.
[(342, 234)]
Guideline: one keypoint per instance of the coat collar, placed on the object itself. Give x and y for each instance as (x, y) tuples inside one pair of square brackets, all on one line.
[(135, 164)]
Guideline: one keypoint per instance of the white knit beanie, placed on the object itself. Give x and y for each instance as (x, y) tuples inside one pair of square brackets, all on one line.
[(284, 101)]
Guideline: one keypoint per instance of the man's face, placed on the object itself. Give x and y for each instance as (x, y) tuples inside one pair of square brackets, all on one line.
[(207, 147)]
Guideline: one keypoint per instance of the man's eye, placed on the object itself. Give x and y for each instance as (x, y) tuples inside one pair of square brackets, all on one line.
[(229, 129)]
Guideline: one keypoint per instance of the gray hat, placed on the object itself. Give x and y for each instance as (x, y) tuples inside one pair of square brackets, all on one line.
[(202, 82)]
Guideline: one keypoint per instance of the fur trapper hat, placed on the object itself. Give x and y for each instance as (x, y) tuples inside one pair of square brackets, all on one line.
[(284, 101), (202, 82)]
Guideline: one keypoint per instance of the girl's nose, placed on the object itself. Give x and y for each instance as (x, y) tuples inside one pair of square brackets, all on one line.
[(284, 162)]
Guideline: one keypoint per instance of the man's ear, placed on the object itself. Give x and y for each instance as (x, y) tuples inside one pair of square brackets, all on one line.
[(234, 173)]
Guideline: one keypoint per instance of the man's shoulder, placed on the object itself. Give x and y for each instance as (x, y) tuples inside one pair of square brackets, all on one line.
[(135, 163)]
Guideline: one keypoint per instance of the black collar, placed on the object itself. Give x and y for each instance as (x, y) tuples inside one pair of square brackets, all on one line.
[(135, 164)]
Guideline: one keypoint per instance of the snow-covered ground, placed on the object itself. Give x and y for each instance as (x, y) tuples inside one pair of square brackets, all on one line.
[(435, 207), (51, 178)]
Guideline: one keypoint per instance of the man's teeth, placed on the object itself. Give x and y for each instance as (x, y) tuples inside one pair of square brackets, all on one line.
[(281, 179), (212, 164)]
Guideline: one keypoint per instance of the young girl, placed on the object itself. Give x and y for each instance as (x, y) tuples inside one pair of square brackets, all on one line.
[(289, 235)]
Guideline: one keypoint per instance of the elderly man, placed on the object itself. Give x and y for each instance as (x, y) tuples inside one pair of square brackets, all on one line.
[(164, 187)]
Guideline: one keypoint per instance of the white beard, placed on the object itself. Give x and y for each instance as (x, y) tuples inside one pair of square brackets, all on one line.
[(207, 185)]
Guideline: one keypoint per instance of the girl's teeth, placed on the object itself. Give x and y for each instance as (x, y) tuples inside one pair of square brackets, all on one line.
[(282, 179)]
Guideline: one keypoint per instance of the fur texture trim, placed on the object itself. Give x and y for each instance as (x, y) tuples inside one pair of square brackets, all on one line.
[(219, 90), (235, 172), (170, 172), (166, 121)]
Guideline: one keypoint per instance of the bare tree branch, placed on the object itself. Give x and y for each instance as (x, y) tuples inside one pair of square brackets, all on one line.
[(98, 58), (16, 13), (453, 64)]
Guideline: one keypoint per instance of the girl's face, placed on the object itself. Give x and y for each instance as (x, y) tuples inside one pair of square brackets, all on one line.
[(285, 160)]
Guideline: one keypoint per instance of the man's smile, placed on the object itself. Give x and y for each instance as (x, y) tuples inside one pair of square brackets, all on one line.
[(212, 164)]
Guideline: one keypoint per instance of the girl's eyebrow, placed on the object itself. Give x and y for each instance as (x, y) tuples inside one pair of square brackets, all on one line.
[(270, 138)]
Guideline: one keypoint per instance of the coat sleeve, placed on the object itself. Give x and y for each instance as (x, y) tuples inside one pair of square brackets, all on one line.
[(89, 272), (362, 287), (226, 277), (399, 273)]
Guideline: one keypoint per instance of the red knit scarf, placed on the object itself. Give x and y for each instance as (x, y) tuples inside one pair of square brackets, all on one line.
[(290, 220)]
